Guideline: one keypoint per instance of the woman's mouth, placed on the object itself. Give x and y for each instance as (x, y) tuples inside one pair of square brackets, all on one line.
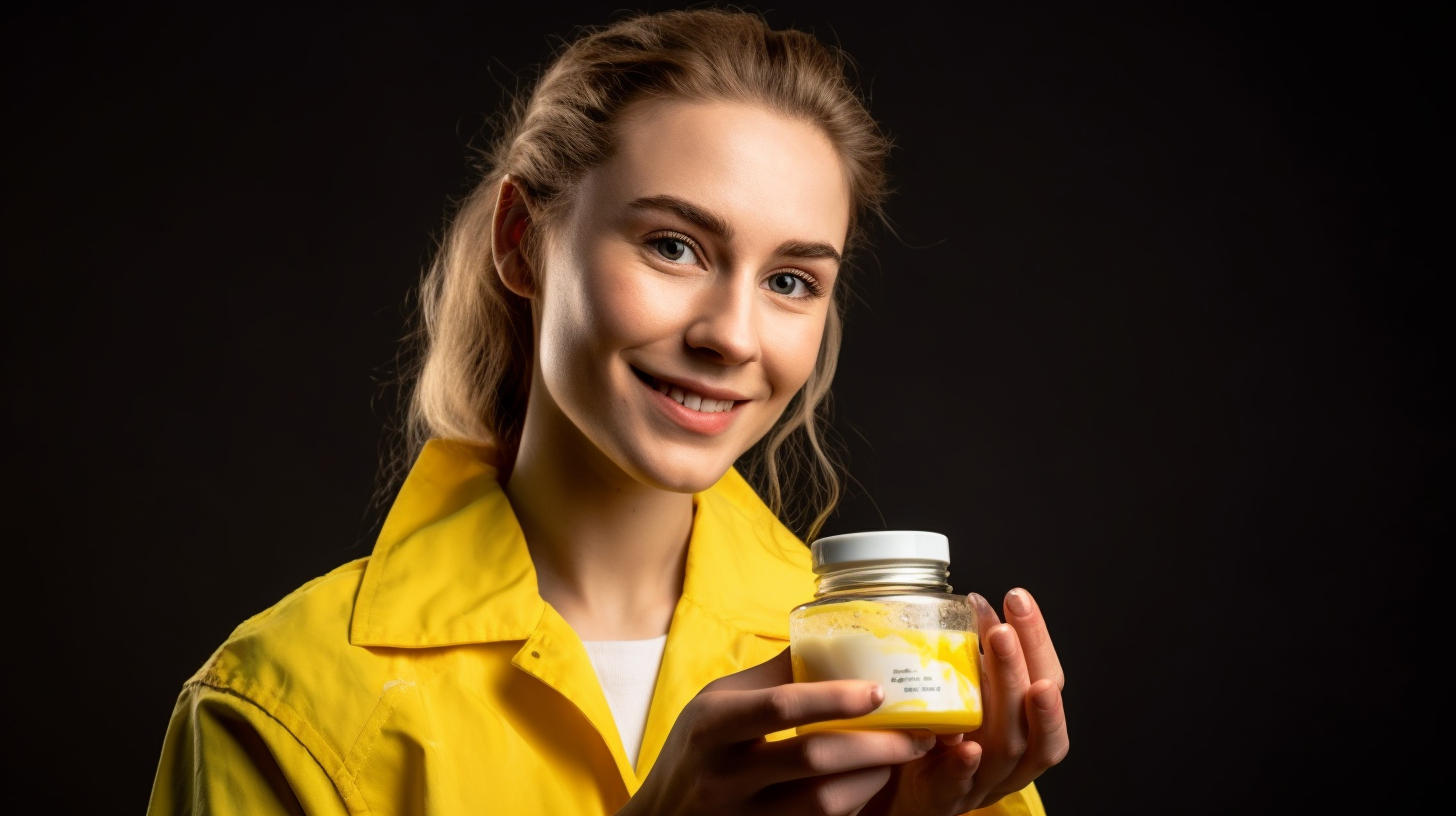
[(684, 397)]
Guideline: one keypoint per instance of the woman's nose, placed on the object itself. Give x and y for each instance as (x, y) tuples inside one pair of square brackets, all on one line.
[(724, 324)]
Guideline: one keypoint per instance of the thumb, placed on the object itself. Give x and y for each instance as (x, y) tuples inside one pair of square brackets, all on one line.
[(776, 671)]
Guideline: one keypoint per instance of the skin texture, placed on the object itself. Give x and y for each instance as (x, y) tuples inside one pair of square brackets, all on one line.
[(704, 252)]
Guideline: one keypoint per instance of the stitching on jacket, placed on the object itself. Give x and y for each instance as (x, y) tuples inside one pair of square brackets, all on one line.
[(379, 716), (294, 723)]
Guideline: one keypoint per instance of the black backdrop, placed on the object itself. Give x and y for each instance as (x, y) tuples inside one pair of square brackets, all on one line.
[(1156, 338)]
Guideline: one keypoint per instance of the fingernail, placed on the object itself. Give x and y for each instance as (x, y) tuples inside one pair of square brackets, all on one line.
[(983, 607), (924, 741), (877, 695), (1018, 602), (1003, 642)]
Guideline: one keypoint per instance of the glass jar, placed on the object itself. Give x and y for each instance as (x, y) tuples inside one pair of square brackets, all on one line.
[(884, 611)]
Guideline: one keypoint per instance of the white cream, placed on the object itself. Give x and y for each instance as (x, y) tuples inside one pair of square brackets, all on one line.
[(906, 665)]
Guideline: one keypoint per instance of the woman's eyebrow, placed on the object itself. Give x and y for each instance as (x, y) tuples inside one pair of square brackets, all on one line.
[(687, 210), (719, 227), (808, 249)]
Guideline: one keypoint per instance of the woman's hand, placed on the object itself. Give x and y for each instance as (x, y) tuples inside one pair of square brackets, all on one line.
[(1023, 734), (716, 760)]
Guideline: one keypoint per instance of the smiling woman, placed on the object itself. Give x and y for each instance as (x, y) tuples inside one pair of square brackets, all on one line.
[(577, 605), (680, 263)]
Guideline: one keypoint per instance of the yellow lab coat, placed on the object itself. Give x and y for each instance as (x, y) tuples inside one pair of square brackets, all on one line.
[(431, 678)]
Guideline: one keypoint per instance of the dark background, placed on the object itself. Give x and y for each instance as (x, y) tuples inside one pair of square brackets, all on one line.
[(1157, 338)]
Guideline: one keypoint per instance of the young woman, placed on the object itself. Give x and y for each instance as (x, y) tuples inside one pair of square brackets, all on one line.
[(576, 604)]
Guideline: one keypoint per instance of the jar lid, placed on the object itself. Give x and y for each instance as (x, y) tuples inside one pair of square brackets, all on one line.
[(879, 546)]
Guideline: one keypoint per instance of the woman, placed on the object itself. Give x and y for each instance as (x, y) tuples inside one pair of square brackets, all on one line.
[(576, 604)]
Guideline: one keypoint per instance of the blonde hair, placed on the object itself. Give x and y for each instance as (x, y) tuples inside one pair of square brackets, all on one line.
[(473, 373)]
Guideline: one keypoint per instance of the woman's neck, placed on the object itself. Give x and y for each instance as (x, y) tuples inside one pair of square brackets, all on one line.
[(609, 551)]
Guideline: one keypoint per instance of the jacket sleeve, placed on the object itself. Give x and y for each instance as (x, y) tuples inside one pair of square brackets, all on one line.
[(223, 755)]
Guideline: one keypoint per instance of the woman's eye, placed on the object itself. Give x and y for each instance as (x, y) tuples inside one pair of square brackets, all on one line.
[(789, 285), (675, 250)]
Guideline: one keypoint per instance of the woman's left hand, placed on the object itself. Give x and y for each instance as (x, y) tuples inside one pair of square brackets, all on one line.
[(1023, 733)]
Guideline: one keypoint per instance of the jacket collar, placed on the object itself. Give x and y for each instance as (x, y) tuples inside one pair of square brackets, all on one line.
[(451, 565)]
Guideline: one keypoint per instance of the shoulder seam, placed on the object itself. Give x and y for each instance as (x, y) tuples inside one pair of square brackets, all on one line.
[(294, 724)]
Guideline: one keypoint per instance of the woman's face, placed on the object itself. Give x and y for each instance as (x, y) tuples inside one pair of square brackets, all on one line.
[(683, 295)]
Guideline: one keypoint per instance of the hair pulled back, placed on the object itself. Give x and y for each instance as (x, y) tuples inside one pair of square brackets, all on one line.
[(476, 336)]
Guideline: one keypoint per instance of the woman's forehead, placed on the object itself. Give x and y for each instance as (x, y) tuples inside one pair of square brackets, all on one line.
[(756, 170)]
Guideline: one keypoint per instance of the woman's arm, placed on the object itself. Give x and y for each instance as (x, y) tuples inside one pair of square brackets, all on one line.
[(223, 755)]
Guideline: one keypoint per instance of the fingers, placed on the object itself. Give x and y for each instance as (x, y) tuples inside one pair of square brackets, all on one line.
[(763, 699), (1004, 732), (1048, 738), (986, 616), (726, 716), (826, 753), (950, 778), (841, 795), (1023, 613), (775, 671), (1047, 743), (1025, 730)]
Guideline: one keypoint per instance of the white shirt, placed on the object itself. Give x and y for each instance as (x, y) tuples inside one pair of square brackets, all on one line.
[(627, 670)]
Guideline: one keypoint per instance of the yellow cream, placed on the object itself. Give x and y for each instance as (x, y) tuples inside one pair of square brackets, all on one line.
[(931, 677)]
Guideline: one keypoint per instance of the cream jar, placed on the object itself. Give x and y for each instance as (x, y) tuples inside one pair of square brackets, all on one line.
[(884, 611)]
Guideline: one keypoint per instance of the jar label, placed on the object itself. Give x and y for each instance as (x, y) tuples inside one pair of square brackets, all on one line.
[(919, 670)]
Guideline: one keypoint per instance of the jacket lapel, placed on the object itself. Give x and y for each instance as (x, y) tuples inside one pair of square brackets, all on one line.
[(555, 655), (451, 567), (745, 573)]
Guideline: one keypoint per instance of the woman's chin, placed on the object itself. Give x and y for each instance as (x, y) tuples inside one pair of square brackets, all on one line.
[(680, 471)]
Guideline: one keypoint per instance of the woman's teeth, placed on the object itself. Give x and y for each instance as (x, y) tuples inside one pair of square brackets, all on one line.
[(697, 402)]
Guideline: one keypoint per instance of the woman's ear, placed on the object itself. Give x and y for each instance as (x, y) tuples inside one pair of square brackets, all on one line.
[(512, 220)]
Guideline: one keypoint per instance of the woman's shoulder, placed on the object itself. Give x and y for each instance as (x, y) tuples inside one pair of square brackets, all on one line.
[(295, 657), (284, 695), (315, 612)]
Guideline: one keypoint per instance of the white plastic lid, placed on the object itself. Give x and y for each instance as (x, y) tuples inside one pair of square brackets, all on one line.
[(914, 546)]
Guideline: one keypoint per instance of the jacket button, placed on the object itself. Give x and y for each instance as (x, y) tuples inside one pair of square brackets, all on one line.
[(535, 654)]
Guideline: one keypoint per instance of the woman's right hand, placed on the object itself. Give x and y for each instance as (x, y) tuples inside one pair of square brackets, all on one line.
[(716, 760)]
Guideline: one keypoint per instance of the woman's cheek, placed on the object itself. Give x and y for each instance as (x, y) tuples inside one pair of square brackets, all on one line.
[(791, 347), (638, 310), (625, 303)]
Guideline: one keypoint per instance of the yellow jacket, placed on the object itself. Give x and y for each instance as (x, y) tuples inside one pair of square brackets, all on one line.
[(430, 678)]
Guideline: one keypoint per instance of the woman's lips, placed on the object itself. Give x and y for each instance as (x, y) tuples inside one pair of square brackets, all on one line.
[(693, 400), (690, 408)]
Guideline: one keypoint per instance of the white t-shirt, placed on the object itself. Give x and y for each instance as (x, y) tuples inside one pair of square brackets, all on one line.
[(627, 670)]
